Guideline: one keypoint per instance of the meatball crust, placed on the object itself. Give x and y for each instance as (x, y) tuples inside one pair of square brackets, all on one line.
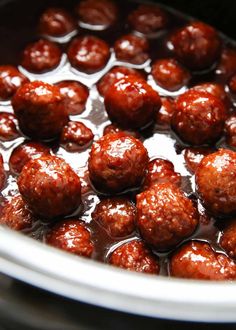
[(199, 117), (24, 153), (132, 49), (71, 236), (228, 239), (165, 216), (216, 182), (197, 45), (2, 173), (227, 63), (164, 115), (10, 80), (117, 162), (88, 54), (111, 129), (50, 187), (8, 130), (116, 215), (56, 22), (193, 157), (230, 131), (76, 136), (197, 260), (169, 74), (41, 56), (132, 103), (135, 256), (40, 110)]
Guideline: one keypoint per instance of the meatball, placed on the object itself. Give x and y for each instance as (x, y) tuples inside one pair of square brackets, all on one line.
[(111, 129), (228, 239), (8, 130), (24, 153), (2, 173), (232, 84), (135, 256), (165, 216), (75, 136), (56, 22), (116, 215), (10, 80), (16, 214), (215, 182), (132, 103), (169, 74), (40, 110), (197, 45), (117, 162), (50, 187), (71, 236), (227, 63), (41, 56), (113, 76), (160, 171), (164, 115), (193, 157), (199, 117), (197, 260), (75, 96), (101, 13), (148, 19), (88, 54), (132, 49), (230, 131)]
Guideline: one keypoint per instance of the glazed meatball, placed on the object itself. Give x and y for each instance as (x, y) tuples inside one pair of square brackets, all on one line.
[(228, 239), (169, 74), (148, 19), (50, 187), (199, 117), (102, 13), (41, 56), (132, 103), (230, 131), (71, 236), (56, 22), (2, 173), (111, 129), (113, 76), (164, 115), (197, 260), (10, 80), (215, 182), (132, 49), (75, 96), (24, 153), (165, 216), (117, 162), (75, 136), (16, 214), (116, 215), (197, 45), (227, 63), (193, 157), (88, 54), (8, 130), (135, 256), (160, 171), (40, 110)]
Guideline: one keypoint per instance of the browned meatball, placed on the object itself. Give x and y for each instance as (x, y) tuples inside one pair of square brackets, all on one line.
[(197, 260), (75, 136), (197, 45), (199, 117), (56, 22), (132, 49), (132, 103), (2, 173), (148, 19), (16, 214), (193, 157), (111, 129), (88, 54), (215, 182), (164, 115), (75, 96), (230, 131), (41, 56), (71, 236), (8, 130), (116, 215), (160, 171), (117, 162), (227, 63), (165, 216), (10, 80), (40, 110), (228, 239), (102, 13), (50, 187), (24, 153), (169, 74), (135, 256)]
